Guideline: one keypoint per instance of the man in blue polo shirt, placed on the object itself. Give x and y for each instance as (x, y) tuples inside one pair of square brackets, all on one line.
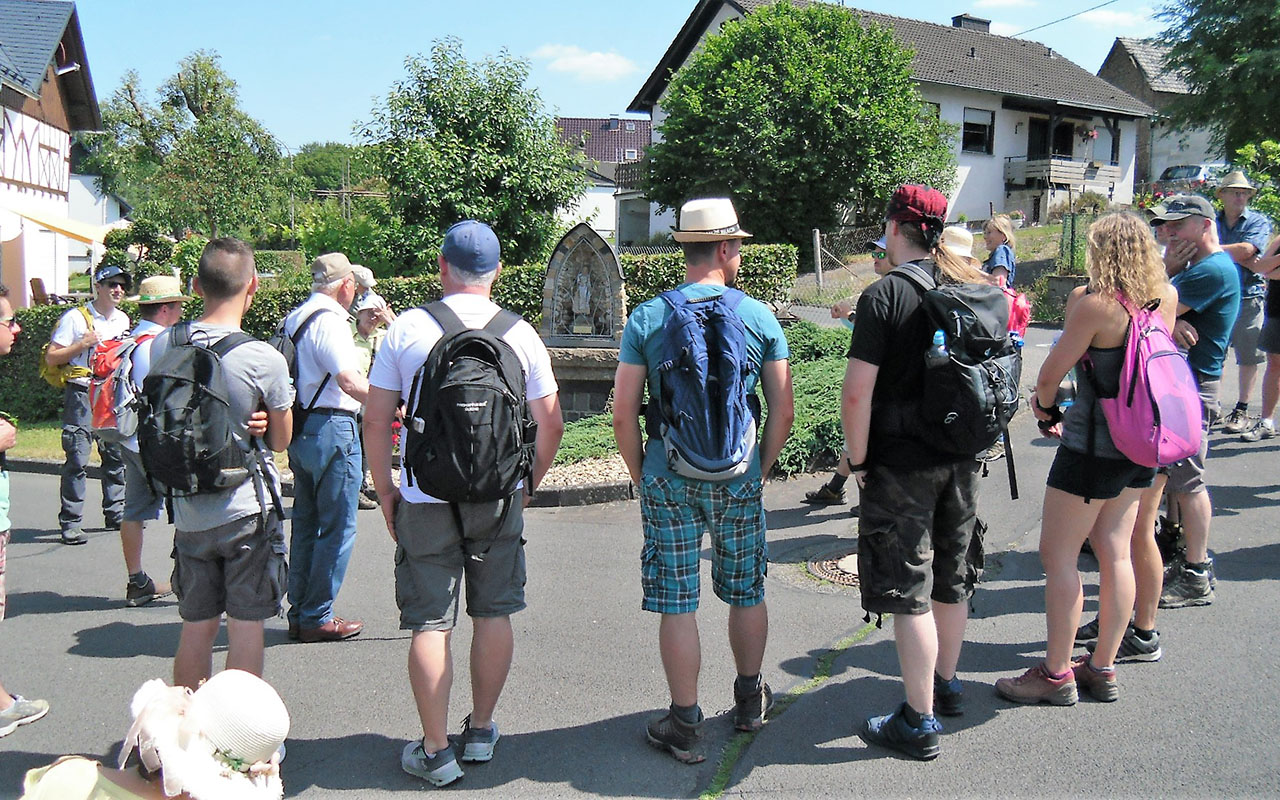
[(1243, 235), (1208, 304)]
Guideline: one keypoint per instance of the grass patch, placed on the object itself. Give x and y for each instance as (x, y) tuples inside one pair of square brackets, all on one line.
[(589, 437), (41, 440)]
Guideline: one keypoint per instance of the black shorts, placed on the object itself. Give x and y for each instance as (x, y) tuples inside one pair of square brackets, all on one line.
[(1096, 478)]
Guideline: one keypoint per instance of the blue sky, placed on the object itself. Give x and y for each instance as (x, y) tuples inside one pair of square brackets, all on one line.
[(311, 70)]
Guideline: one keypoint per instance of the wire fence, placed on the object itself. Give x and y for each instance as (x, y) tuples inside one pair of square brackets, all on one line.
[(1073, 247), (841, 266)]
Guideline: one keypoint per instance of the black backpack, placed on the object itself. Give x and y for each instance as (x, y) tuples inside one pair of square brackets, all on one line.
[(185, 432), (469, 434), (288, 347), (969, 397)]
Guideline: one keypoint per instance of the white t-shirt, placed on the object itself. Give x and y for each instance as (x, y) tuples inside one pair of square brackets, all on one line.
[(71, 328), (327, 347), (409, 341), (141, 363)]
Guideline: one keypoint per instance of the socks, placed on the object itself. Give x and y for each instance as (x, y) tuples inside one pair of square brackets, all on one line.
[(1143, 633), (138, 578), (837, 482), (912, 717), (1058, 676), (747, 684), (689, 715), (1242, 406)]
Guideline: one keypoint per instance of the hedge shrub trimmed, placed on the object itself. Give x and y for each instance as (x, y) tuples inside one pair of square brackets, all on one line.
[(768, 272)]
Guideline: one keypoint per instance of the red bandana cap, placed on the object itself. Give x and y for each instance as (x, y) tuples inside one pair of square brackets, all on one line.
[(916, 203)]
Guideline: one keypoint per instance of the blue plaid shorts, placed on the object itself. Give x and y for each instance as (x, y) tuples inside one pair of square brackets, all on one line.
[(675, 513)]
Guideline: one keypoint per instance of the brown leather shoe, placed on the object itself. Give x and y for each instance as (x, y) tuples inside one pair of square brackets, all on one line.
[(335, 630), (294, 631)]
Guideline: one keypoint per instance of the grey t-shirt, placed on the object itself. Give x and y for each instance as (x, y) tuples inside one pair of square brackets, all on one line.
[(256, 376)]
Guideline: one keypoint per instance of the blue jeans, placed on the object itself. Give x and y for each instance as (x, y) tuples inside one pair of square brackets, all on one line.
[(325, 458), (77, 439)]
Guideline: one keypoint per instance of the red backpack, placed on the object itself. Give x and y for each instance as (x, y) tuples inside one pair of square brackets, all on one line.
[(113, 396)]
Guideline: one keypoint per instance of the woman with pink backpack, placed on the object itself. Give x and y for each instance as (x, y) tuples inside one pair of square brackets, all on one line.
[(1092, 485)]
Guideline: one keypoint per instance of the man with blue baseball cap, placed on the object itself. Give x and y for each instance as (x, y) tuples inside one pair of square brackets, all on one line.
[(438, 543), (71, 346)]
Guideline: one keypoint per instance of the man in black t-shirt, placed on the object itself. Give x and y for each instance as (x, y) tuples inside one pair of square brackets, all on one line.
[(918, 504)]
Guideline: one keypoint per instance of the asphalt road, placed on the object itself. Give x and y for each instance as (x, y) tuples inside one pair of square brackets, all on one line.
[(587, 672)]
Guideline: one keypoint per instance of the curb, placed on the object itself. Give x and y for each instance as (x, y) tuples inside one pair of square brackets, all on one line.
[(550, 497)]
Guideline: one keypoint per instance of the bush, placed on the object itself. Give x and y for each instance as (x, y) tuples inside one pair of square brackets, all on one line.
[(809, 342), (816, 439), (768, 273), (23, 393), (590, 437)]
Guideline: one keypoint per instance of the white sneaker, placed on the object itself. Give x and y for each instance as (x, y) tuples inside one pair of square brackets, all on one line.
[(1262, 429)]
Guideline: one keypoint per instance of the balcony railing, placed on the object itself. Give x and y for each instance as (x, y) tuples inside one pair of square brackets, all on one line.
[(1021, 170)]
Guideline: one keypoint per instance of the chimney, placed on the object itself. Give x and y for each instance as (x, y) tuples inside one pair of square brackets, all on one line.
[(971, 23)]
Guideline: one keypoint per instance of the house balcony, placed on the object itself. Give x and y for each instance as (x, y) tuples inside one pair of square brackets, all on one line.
[(1058, 170)]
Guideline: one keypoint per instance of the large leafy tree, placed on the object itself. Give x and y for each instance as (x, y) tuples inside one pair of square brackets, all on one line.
[(1228, 51), (457, 139), (332, 165), (192, 158), (797, 113)]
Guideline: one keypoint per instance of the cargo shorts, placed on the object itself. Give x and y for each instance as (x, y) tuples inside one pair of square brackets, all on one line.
[(237, 568)]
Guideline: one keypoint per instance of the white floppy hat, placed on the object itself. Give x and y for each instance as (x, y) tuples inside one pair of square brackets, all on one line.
[(369, 301), (958, 240), (709, 219)]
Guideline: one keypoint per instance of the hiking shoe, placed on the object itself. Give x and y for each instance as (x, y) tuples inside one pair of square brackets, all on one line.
[(73, 536), (749, 710), (678, 738), (1087, 632), (364, 502), (438, 769), (139, 594), (1036, 685), (892, 731), (1186, 585), (475, 744), (1237, 421), (112, 523), (1262, 429), (22, 712), (824, 496), (993, 453), (1099, 683), (1135, 648), (948, 696), (1171, 541)]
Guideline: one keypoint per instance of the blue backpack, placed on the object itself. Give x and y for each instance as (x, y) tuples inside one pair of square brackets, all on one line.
[(705, 415)]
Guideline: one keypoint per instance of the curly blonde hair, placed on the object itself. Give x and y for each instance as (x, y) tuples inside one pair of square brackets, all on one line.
[(1004, 224), (1124, 259)]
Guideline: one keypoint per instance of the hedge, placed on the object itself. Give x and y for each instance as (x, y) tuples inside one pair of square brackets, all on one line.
[(768, 273)]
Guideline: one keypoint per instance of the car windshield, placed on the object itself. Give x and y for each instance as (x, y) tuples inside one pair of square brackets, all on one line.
[(1180, 173)]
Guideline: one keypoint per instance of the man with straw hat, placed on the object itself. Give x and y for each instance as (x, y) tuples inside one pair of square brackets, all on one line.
[(1243, 235), (159, 300)]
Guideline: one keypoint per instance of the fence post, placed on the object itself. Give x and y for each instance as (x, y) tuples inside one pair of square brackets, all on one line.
[(817, 256)]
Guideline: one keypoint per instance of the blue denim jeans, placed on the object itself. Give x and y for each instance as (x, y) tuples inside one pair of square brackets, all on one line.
[(77, 440), (325, 458)]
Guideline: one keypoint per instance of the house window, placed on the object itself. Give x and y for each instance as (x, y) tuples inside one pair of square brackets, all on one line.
[(631, 155), (978, 133), (631, 126)]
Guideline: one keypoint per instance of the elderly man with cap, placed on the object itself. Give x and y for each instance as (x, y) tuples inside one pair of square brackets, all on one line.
[(439, 544), (919, 503), (1243, 234), (325, 452), (75, 336), (676, 509), (372, 316), (159, 300)]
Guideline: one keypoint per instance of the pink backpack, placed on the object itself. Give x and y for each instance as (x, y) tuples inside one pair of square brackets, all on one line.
[(1156, 419)]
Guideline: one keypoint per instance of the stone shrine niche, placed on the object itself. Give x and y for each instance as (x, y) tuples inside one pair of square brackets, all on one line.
[(583, 301)]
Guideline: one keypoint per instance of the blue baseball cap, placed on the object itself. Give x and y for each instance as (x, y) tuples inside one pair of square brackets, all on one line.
[(472, 246), (109, 271)]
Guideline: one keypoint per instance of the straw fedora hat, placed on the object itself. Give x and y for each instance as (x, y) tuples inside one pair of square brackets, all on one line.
[(1237, 180), (159, 289), (958, 240), (708, 219)]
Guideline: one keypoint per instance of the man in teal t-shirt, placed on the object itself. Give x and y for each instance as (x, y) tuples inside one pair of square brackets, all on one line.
[(676, 511)]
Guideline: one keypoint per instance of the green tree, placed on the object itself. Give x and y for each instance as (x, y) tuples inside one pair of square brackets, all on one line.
[(796, 113), (332, 165), (193, 159), (457, 139), (1261, 162), (1228, 52)]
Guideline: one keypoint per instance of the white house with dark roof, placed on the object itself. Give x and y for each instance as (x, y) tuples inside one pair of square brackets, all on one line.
[(1034, 125), (603, 143), (1137, 66), (46, 93)]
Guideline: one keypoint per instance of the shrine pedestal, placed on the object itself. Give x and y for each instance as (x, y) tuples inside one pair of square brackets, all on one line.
[(585, 375)]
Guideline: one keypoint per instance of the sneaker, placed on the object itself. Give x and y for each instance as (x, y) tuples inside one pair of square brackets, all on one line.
[(824, 496), (73, 536), (438, 769), (1134, 648), (1037, 686), (22, 712), (948, 696), (140, 594), (1087, 632), (364, 502), (1237, 421), (1100, 684), (749, 710), (1186, 585), (1262, 429), (475, 744), (892, 731), (678, 738), (993, 453), (112, 523)]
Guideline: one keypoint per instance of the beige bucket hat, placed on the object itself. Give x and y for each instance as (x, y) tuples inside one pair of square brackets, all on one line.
[(1237, 180)]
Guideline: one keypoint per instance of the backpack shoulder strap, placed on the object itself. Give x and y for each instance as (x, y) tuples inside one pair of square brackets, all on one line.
[(180, 334), (917, 275), (306, 323), (732, 298), (502, 322), (88, 317), (230, 342), (445, 317), (675, 298)]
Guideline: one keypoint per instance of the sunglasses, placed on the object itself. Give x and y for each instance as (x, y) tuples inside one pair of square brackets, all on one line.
[(879, 255)]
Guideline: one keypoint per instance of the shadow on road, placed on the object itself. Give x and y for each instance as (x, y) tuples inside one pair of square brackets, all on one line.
[(126, 640)]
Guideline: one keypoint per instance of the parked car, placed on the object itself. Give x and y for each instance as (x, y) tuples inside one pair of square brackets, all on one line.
[(1187, 178)]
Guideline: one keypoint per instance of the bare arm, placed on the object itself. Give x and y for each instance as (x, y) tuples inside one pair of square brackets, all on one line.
[(628, 391), (8, 435), (1083, 317), (279, 429), (58, 355), (855, 410), (775, 379), (354, 384), (546, 412), (379, 412), (1241, 252)]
